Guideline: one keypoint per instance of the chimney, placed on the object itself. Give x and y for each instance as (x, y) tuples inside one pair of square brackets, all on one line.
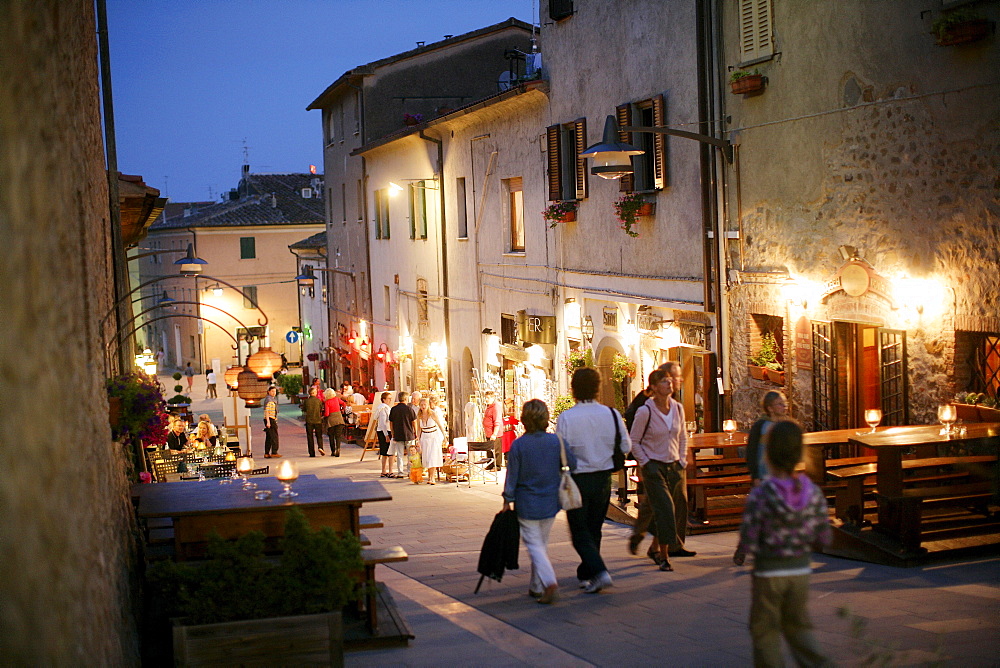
[(246, 170), (420, 44), (274, 201)]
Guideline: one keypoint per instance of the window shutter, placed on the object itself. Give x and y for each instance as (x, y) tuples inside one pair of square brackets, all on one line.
[(580, 136), (413, 220), (824, 380), (755, 30), (555, 173), (660, 180), (623, 113), (560, 9)]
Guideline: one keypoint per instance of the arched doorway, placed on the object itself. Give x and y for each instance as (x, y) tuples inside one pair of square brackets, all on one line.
[(612, 393)]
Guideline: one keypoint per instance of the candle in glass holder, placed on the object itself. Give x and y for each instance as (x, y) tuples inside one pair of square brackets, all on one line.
[(873, 416), (288, 473), (245, 465), (947, 415), (729, 426)]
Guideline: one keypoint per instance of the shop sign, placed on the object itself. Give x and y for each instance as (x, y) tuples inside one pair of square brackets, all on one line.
[(536, 328), (648, 322), (803, 344), (611, 318)]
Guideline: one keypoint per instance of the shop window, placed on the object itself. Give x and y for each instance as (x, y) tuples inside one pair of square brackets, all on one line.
[(508, 329), (248, 248), (650, 168), (382, 213), (567, 171), (515, 201), (756, 30), (978, 368)]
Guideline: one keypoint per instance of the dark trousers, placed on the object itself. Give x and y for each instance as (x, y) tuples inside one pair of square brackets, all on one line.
[(314, 431), (335, 433), (271, 438), (585, 523), (666, 491)]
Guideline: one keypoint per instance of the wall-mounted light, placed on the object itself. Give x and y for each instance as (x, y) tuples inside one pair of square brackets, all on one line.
[(612, 158), (587, 329), (189, 264), (848, 253), (216, 290), (394, 189), (307, 278), (925, 296)]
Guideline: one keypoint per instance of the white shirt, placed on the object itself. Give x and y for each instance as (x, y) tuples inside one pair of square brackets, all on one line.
[(358, 399), (589, 431), (382, 418)]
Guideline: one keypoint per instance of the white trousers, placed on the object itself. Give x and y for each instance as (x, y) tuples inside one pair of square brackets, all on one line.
[(535, 534), (398, 448)]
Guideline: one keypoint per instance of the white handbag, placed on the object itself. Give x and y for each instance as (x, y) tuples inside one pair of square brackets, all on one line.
[(569, 493)]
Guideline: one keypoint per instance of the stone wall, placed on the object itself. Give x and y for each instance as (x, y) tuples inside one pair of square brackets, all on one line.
[(65, 514)]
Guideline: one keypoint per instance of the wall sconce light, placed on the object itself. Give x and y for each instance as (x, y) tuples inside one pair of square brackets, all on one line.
[(848, 253), (587, 329), (217, 290), (383, 354), (394, 189)]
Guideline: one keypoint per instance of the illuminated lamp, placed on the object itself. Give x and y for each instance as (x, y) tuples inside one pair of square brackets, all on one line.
[(251, 388), (232, 376), (189, 264), (264, 363)]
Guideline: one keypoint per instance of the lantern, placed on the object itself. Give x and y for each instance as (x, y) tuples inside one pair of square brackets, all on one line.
[(232, 376), (251, 388), (264, 363)]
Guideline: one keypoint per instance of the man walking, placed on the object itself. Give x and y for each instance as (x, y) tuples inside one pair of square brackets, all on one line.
[(403, 422), (590, 430), (271, 423), (210, 379), (312, 407)]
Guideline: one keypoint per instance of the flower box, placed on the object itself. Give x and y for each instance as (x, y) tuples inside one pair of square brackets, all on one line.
[(298, 640), (776, 377), (568, 217), (646, 209), (757, 372), (748, 84)]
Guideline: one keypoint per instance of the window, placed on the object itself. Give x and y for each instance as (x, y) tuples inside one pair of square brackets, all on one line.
[(567, 171), (560, 9), (515, 203), (386, 304), (423, 315), (977, 368), (508, 329), (343, 202), (249, 296), (650, 168), (382, 214), (418, 210), (357, 113), (756, 30), (461, 208), (307, 193), (248, 248), (360, 201)]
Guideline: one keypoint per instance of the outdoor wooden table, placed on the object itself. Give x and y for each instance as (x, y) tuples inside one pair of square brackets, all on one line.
[(817, 444), (198, 508)]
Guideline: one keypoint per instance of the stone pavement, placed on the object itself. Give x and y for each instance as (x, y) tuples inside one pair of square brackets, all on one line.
[(946, 613)]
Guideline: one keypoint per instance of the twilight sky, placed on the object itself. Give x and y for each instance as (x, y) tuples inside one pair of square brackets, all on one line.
[(194, 79)]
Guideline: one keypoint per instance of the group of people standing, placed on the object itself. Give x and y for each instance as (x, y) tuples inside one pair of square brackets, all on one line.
[(329, 412), (411, 435)]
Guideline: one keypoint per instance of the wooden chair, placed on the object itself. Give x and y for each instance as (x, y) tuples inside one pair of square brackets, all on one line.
[(163, 468)]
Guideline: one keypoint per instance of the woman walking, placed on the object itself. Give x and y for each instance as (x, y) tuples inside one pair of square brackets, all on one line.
[(333, 418), (430, 436), (532, 487), (659, 444)]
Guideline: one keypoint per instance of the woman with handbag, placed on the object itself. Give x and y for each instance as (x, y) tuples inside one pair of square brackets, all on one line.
[(333, 419), (534, 474), (659, 445)]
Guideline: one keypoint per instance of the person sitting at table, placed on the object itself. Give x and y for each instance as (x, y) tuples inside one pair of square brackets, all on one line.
[(775, 408), (202, 437), (177, 436), (213, 431)]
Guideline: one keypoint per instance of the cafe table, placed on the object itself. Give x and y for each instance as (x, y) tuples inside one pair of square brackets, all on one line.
[(197, 508)]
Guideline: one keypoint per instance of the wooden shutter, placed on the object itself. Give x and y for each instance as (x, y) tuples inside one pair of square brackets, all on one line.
[(892, 376), (756, 40), (555, 163), (660, 180), (824, 379), (413, 220), (560, 9), (580, 138), (623, 113)]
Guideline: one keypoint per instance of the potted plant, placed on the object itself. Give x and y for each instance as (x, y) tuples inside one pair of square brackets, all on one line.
[(746, 81), (560, 212), (976, 407), (228, 608), (563, 402), (959, 27), (765, 365), (291, 386), (136, 412), (578, 359), (629, 207)]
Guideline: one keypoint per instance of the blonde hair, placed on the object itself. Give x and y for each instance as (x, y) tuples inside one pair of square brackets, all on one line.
[(329, 393)]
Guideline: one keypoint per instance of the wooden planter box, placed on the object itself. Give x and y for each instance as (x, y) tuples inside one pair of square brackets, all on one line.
[(748, 84), (757, 372), (963, 33), (647, 209), (277, 641), (776, 377), (568, 217), (976, 413)]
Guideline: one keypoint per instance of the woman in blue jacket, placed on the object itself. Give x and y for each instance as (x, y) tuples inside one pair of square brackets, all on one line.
[(532, 488)]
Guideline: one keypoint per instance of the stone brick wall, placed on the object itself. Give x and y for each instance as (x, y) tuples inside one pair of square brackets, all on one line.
[(65, 515)]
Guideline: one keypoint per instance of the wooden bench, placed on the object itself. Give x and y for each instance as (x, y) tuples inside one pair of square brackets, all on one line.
[(370, 522), (705, 487), (372, 556), (903, 515), (849, 500)]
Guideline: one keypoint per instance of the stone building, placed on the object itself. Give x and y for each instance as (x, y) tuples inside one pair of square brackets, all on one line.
[(365, 104), (244, 240), (65, 514), (864, 219)]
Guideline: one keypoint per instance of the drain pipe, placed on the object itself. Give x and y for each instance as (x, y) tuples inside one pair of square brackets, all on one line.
[(444, 274)]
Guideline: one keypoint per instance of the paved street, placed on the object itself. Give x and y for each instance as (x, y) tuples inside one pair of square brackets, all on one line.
[(696, 616)]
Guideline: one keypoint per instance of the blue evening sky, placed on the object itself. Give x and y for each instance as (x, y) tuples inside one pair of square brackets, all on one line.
[(194, 79)]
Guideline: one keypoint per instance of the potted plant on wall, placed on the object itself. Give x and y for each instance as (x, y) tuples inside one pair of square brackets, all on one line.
[(629, 207), (766, 360), (959, 27), (746, 81), (577, 359), (560, 212), (227, 609)]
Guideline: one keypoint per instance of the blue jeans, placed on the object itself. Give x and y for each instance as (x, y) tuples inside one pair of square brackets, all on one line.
[(585, 522)]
